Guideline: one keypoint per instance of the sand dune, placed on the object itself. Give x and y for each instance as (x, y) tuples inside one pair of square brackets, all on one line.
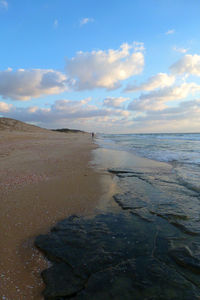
[(7, 124)]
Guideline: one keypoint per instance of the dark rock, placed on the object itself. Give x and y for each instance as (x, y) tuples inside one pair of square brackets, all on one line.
[(186, 228), (61, 281), (144, 214), (127, 201), (184, 257), (124, 171), (170, 216), (111, 256)]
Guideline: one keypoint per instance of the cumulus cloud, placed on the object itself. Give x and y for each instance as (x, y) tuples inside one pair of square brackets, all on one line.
[(170, 31), (156, 100), (76, 109), (114, 102), (82, 115), (4, 107), (104, 69), (160, 80), (185, 110), (181, 118), (98, 69), (189, 64), (26, 84), (84, 21), (60, 110)]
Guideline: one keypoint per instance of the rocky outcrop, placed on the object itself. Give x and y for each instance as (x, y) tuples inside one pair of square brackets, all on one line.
[(107, 257)]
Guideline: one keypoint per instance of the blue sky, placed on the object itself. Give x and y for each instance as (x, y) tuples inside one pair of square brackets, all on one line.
[(107, 66)]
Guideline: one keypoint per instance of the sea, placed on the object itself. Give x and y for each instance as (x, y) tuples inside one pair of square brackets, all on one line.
[(157, 178), (180, 150)]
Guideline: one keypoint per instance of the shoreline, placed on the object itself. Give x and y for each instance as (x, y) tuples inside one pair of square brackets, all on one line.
[(95, 214), (45, 177), (148, 247)]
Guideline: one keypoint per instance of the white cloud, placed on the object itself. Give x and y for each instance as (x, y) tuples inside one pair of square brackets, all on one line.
[(185, 110), (4, 4), (82, 115), (4, 107), (189, 64), (67, 113), (181, 118), (84, 21), (26, 84), (98, 69), (156, 100), (114, 102), (158, 81), (170, 31), (61, 109), (180, 50), (104, 69)]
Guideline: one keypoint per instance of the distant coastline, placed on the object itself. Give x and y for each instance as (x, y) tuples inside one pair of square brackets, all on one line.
[(67, 130)]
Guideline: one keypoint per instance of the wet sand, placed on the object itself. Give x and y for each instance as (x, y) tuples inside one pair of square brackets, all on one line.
[(44, 177)]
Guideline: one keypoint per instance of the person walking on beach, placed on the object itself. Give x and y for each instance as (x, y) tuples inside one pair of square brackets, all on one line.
[(92, 135)]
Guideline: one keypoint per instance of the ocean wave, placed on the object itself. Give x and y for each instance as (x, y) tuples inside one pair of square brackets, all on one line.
[(181, 148)]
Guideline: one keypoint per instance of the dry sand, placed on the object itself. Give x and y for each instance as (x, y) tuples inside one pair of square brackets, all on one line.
[(44, 177)]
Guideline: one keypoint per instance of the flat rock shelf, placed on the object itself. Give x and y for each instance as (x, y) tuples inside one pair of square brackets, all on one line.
[(117, 256)]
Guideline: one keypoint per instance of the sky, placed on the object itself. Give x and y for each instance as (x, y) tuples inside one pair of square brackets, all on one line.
[(117, 66)]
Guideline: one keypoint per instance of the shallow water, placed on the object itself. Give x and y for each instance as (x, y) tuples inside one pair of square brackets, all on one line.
[(182, 151), (145, 247), (164, 205), (156, 185)]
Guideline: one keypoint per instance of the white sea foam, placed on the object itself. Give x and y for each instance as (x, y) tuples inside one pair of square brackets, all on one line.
[(182, 150)]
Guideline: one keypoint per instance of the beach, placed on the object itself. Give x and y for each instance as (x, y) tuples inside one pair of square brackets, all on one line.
[(45, 176), (97, 220)]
